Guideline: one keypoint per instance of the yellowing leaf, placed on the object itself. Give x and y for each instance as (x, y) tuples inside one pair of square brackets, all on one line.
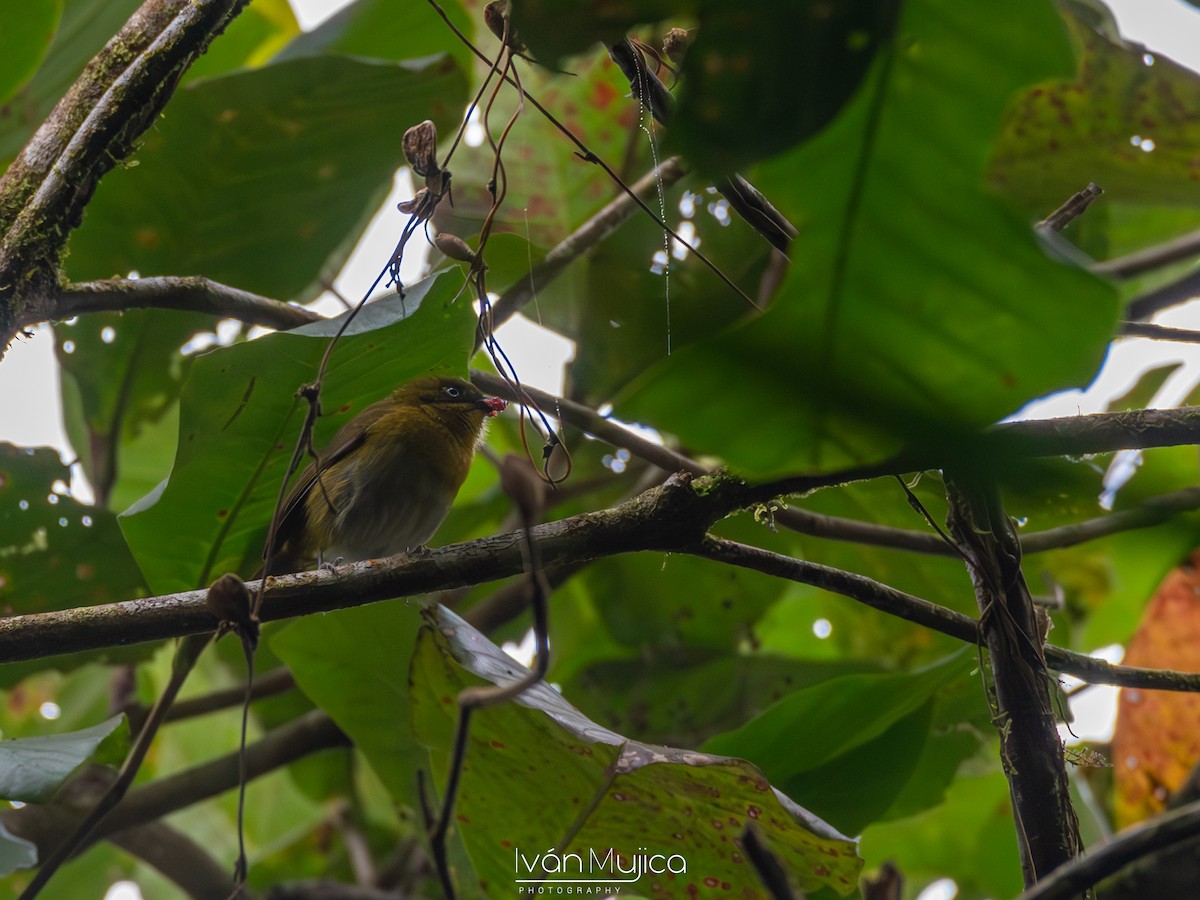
[(1157, 737)]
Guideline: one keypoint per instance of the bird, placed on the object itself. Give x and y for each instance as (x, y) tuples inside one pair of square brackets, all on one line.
[(385, 482)]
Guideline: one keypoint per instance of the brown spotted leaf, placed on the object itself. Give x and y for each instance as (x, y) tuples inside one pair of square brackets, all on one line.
[(539, 775), (1157, 737), (1129, 121)]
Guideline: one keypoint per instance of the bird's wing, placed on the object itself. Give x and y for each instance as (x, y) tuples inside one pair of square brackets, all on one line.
[(349, 438)]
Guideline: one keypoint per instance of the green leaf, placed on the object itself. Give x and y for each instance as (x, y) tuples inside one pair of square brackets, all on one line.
[(968, 838), (55, 552), (15, 852), (354, 665), (555, 28), (762, 76), (25, 34), (663, 699), (917, 304), (383, 29), (853, 790), (240, 418), (122, 373), (812, 726), (265, 178), (32, 768), (617, 793)]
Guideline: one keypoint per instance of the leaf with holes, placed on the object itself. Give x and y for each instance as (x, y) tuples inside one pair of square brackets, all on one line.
[(539, 774)]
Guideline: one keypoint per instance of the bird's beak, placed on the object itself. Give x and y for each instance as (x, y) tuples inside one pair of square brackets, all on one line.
[(492, 405)]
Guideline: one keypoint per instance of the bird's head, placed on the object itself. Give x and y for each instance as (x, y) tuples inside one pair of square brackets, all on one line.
[(449, 400)]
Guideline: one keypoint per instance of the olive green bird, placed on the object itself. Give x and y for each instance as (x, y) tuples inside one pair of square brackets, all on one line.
[(387, 479)]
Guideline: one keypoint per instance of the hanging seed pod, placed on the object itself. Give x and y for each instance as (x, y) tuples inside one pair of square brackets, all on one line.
[(454, 247), (496, 15), (675, 42), (420, 149)]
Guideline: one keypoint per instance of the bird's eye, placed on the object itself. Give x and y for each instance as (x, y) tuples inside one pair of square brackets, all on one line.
[(453, 392)]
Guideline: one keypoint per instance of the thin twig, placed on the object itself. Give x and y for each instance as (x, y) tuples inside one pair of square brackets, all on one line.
[(1071, 209), (1151, 258), (1159, 332), (277, 681)]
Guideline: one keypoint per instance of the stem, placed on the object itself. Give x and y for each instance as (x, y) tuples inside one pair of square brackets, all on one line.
[(1030, 748)]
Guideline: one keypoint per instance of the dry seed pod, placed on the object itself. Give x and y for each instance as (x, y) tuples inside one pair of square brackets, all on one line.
[(454, 247), (420, 148), (496, 15), (675, 42)]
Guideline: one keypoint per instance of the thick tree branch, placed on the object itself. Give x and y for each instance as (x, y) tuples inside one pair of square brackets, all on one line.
[(178, 858), (1159, 833), (674, 517), (189, 294), (119, 95), (1030, 748)]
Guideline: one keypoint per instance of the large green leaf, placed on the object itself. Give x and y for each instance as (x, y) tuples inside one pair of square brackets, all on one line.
[(25, 34), (539, 774), (762, 75), (240, 418), (918, 304), (758, 76), (354, 665), (264, 178), (663, 700)]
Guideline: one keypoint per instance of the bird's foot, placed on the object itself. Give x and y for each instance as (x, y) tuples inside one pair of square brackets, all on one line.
[(331, 566)]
